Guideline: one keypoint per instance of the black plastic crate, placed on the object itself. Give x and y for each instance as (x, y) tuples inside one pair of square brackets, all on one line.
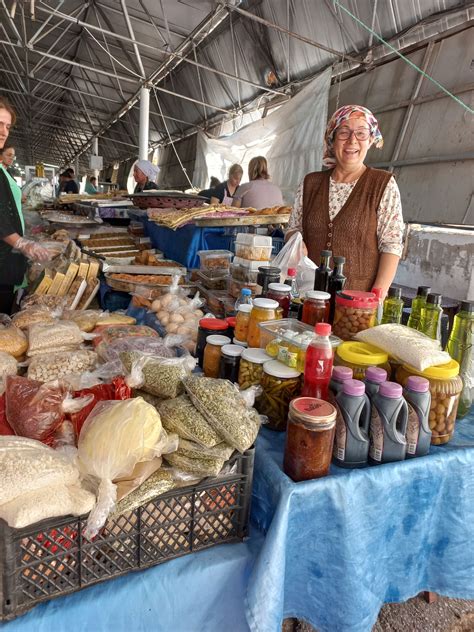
[(51, 558)]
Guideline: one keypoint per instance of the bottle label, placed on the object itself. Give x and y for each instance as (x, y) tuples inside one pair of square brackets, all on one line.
[(413, 430), (287, 357), (341, 434), (376, 436)]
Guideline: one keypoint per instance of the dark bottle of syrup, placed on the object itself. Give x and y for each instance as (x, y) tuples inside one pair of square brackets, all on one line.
[(322, 274)]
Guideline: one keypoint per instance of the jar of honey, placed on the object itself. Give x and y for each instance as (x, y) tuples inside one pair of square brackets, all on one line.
[(263, 309), (316, 308)]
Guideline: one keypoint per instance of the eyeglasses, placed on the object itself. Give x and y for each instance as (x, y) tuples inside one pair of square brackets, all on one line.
[(360, 134)]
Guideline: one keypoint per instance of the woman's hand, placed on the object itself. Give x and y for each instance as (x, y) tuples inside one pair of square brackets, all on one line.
[(388, 265), (32, 250)]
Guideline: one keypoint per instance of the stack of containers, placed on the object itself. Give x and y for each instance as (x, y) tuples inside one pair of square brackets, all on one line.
[(214, 269), (251, 252)]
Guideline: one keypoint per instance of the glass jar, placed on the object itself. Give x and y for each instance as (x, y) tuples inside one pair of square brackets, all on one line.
[(265, 276), (241, 343), (459, 348), (280, 292), (212, 354), (263, 309), (309, 438), (445, 389), (229, 362), (358, 356), (242, 322), (251, 367), (208, 327), (316, 308), (280, 384), (355, 311)]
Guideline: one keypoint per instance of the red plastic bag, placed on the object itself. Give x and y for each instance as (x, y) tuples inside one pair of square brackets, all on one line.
[(5, 428), (116, 390)]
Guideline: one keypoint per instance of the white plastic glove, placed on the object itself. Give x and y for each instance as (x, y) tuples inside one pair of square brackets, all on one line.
[(32, 250)]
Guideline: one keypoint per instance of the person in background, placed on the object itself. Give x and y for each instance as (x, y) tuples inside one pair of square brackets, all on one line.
[(145, 174), (224, 192), (67, 184), (208, 193), (352, 209), (259, 192), (7, 158), (15, 249), (91, 185)]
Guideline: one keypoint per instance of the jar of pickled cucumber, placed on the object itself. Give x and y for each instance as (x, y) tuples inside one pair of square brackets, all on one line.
[(280, 384), (251, 367), (445, 387)]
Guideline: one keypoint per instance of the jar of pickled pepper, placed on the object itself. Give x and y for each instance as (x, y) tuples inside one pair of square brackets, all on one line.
[(309, 438), (280, 384)]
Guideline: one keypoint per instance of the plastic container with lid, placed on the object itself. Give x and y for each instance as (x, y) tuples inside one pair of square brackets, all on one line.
[(316, 308), (351, 444), (212, 354), (253, 247), (309, 438), (280, 292), (355, 311), (359, 356), (388, 424), (241, 343), (215, 259), (208, 327), (265, 276), (235, 287), (212, 280), (263, 309), (251, 367), (417, 396), (280, 384), (243, 274), (445, 388), (374, 377), (229, 362), (242, 322), (460, 349)]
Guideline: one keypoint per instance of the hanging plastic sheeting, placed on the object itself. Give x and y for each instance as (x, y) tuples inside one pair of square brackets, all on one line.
[(291, 138)]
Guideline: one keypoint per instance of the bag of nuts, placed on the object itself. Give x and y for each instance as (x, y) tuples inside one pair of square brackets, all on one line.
[(159, 376), (52, 366)]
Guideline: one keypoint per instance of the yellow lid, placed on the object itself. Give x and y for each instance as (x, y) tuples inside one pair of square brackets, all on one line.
[(361, 353), (439, 372)]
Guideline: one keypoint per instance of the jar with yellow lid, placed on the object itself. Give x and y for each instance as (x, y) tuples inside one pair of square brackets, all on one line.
[(445, 387), (263, 309), (359, 356)]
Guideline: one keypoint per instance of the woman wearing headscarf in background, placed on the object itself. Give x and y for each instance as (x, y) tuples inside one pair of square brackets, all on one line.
[(145, 174), (12, 226), (225, 191), (353, 210)]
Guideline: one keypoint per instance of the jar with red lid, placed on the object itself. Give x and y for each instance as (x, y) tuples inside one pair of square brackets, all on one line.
[(231, 326), (280, 292), (207, 327), (355, 311), (309, 438), (316, 308)]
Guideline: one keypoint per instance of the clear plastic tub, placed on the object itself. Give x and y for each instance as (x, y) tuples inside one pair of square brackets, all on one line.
[(249, 265), (234, 287), (254, 247), (211, 280), (243, 274), (215, 259)]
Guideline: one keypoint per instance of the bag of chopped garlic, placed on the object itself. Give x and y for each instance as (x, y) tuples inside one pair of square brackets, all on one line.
[(12, 339), (162, 377)]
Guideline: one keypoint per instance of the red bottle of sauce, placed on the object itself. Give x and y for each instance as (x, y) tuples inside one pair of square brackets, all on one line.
[(318, 364)]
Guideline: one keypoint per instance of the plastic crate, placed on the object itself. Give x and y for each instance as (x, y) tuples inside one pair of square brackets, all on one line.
[(51, 558)]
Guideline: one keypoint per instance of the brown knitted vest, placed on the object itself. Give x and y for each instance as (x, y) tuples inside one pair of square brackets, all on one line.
[(353, 232)]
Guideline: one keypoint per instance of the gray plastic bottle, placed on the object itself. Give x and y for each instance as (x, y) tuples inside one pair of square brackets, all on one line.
[(351, 443), (374, 377), (388, 424), (340, 374), (418, 397)]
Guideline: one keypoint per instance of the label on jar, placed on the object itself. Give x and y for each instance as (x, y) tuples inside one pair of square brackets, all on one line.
[(287, 357), (341, 435), (376, 436), (413, 430)]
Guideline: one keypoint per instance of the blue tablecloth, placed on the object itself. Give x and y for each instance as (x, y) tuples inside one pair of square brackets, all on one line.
[(337, 548)]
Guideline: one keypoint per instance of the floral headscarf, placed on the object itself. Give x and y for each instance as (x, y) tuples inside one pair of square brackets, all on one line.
[(341, 115)]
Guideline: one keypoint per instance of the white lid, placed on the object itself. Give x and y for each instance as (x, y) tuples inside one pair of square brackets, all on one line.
[(322, 296), (217, 340), (241, 343), (248, 264), (232, 350), (277, 369), (245, 307), (279, 287), (257, 356), (265, 303), (249, 239)]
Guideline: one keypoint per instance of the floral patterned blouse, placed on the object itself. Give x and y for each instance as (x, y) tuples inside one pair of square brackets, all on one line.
[(389, 214)]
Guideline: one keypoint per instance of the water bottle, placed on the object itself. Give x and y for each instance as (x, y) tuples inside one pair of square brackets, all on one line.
[(245, 298)]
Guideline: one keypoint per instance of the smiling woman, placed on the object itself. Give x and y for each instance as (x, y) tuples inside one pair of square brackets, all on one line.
[(351, 209)]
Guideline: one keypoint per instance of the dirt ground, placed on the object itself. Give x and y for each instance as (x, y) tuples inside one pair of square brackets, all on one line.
[(414, 615)]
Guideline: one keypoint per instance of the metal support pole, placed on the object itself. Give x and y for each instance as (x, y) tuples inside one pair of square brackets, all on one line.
[(76, 171), (95, 151), (144, 123)]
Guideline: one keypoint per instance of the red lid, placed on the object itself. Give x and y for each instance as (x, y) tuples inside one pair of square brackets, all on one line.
[(377, 291), (322, 329), (213, 324), (357, 299), (231, 321), (291, 272)]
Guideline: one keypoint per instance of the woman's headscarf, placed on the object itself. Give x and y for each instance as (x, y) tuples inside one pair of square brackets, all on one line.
[(148, 168), (341, 115)]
